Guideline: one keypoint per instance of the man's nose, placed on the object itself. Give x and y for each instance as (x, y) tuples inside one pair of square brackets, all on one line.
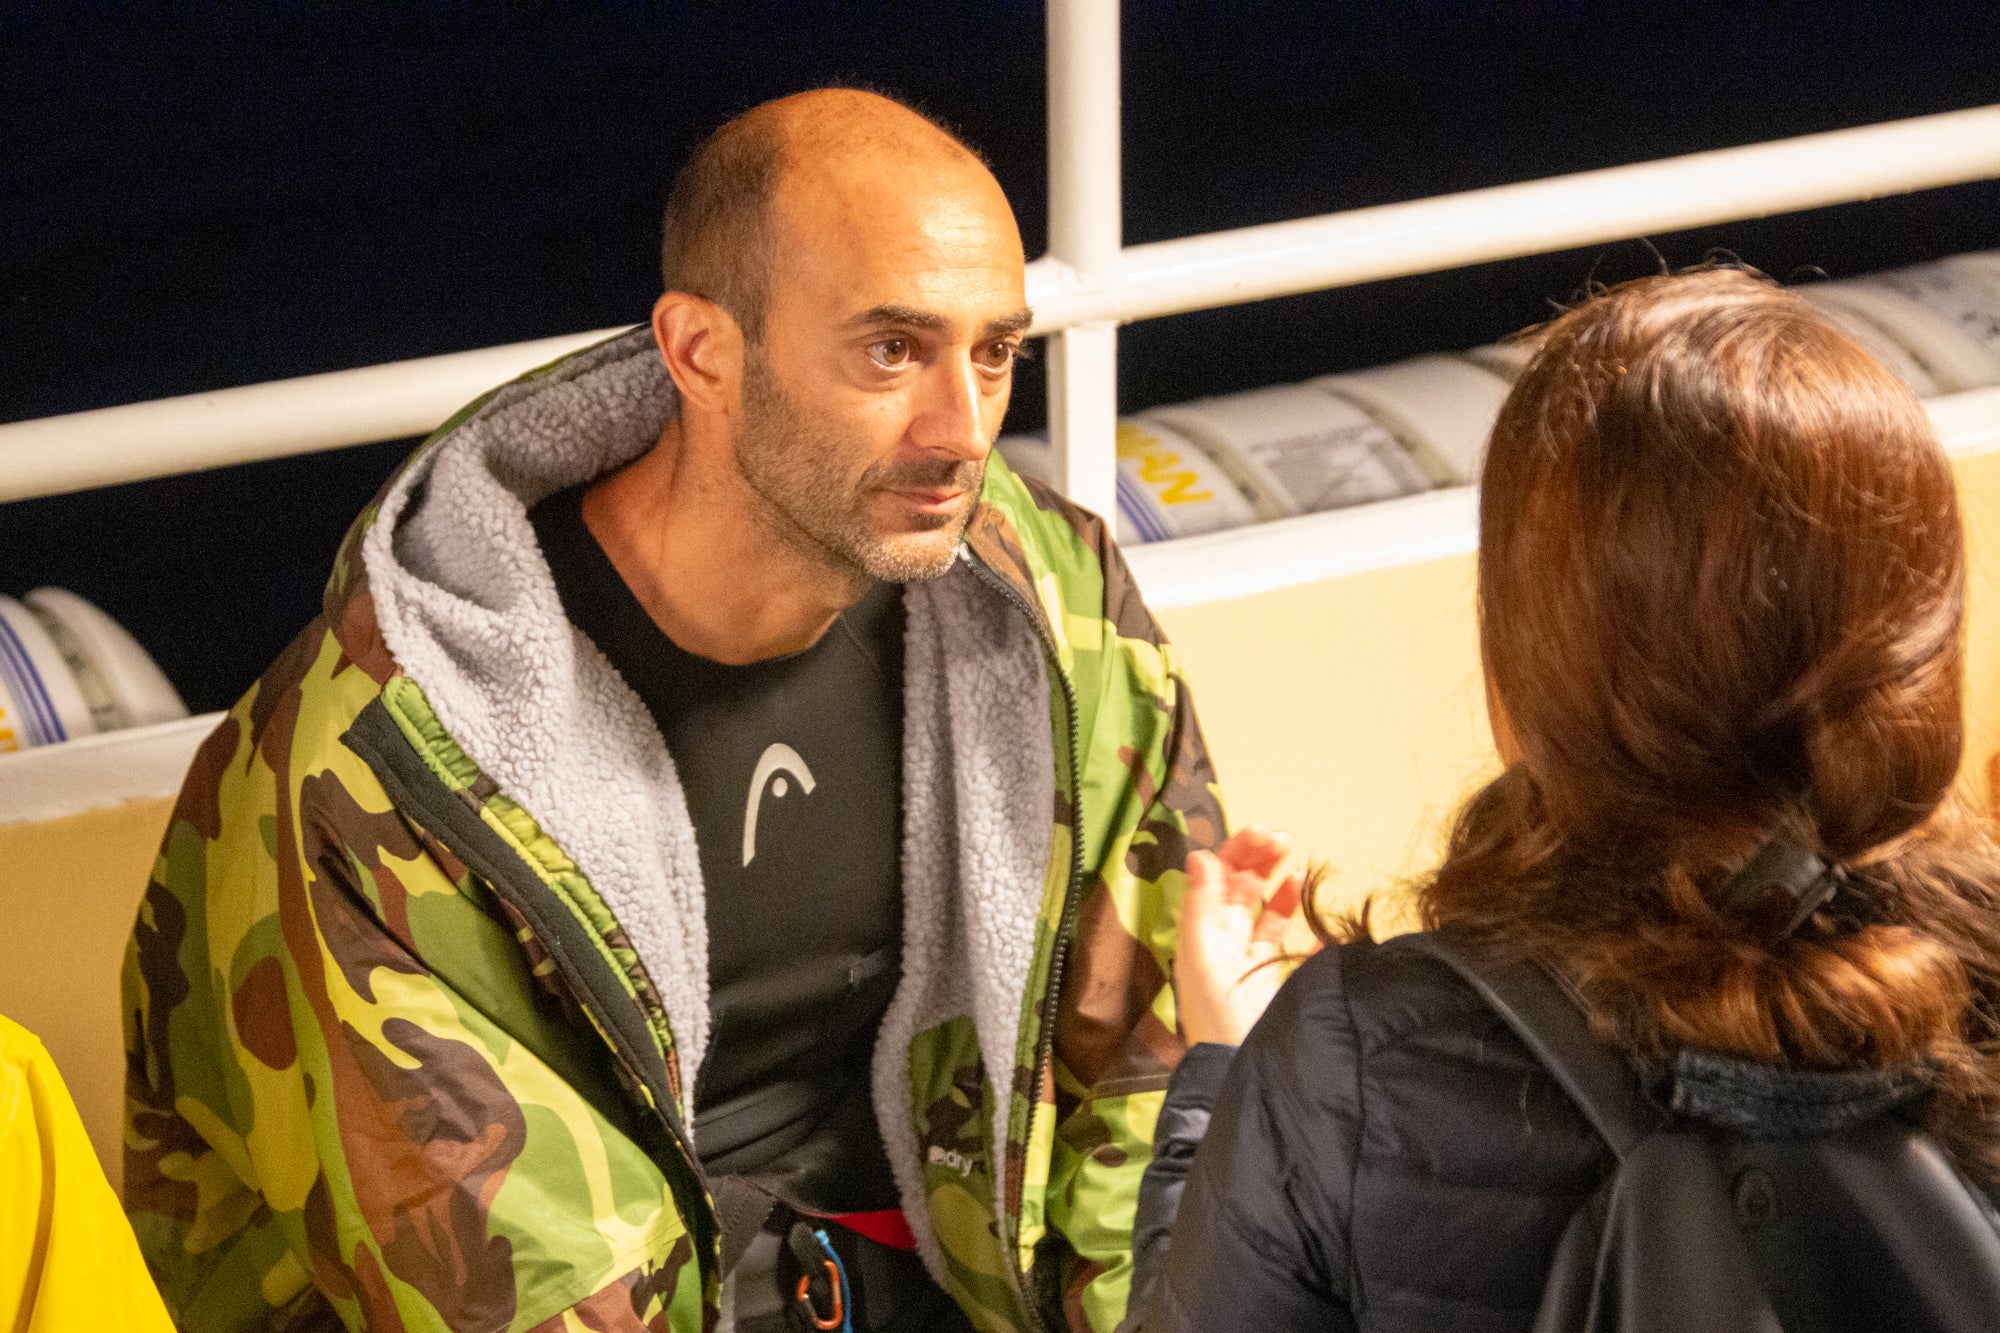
[(952, 420)]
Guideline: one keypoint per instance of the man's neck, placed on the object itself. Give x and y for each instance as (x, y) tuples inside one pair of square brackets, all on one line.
[(695, 544)]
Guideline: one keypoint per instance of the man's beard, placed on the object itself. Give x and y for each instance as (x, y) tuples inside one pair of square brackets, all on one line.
[(792, 460)]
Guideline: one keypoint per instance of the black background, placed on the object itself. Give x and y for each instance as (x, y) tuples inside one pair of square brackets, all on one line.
[(199, 195)]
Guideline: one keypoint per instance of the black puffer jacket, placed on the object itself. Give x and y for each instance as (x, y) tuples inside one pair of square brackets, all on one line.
[(1385, 1155)]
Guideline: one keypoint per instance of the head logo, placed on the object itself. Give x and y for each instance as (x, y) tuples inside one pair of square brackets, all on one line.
[(777, 761)]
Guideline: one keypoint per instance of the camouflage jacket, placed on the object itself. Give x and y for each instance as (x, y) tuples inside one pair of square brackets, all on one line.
[(418, 991)]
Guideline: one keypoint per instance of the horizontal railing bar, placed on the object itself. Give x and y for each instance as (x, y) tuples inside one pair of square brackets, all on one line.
[(1533, 217), (51, 781), (350, 407), (311, 413)]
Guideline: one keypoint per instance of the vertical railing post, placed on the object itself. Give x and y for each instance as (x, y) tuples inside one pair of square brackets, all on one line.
[(1086, 233)]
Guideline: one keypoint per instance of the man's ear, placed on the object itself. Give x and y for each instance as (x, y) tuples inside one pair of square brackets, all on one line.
[(703, 350)]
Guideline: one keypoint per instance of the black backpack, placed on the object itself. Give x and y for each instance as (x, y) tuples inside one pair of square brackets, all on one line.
[(1700, 1230)]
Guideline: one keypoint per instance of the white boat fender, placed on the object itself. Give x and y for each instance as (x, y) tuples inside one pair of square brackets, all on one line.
[(1296, 450), (1904, 304), (1505, 359), (1844, 314), (125, 687), (1441, 407), (40, 701), (1168, 486)]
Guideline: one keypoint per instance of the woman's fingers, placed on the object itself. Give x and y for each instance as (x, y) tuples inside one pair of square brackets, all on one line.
[(1255, 850), (1285, 902), (1215, 892), (1213, 888), (1234, 915), (1268, 937), (1243, 875), (1204, 874)]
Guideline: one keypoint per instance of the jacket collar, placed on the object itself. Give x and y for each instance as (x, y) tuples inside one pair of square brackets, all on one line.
[(1766, 1101), (348, 603)]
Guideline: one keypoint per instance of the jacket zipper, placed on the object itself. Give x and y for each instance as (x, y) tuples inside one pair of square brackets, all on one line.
[(442, 825), (667, 1112), (1046, 1034)]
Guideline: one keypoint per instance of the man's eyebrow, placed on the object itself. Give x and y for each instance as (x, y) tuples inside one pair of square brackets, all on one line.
[(1013, 323), (908, 316), (931, 322)]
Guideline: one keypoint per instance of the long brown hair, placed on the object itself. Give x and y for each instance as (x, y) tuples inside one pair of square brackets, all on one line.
[(1721, 593)]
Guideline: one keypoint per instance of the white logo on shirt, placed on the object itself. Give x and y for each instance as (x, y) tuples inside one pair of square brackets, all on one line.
[(778, 760)]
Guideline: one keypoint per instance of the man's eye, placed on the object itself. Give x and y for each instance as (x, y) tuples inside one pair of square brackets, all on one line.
[(892, 352), (1001, 355)]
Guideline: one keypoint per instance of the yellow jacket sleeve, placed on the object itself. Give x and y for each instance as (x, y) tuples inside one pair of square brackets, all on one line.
[(68, 1261)]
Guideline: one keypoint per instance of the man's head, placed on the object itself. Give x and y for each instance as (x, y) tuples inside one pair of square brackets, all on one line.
[(844, 305)]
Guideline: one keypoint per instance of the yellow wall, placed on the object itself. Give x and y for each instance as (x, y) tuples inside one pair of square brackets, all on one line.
[(1979, 494), (1348, 711), (69, 889)]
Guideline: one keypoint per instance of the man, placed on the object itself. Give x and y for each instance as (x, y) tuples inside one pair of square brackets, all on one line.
[(721, 824)]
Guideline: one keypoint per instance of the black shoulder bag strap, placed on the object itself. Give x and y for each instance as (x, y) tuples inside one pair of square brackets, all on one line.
[(1552, 1025)]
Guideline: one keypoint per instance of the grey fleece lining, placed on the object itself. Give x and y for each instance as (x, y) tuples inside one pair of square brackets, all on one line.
[(468, 608), (978, 821)]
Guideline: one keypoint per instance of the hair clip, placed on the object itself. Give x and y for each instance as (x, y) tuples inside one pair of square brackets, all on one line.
[(1782, 863)]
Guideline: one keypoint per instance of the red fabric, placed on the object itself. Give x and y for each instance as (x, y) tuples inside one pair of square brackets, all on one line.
[(887, 1227)]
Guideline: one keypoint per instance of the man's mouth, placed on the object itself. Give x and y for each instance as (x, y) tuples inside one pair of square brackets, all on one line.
[(930, 500)]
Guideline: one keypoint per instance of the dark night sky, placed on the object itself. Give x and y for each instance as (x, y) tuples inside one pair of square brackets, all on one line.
[(199, 195)]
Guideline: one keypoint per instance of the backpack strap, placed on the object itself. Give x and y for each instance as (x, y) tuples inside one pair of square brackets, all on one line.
[(1551, 1024)]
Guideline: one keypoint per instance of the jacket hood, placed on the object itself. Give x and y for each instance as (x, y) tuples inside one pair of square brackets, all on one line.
[(463, 603)]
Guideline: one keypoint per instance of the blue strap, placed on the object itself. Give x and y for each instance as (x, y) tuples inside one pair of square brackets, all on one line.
[(843, 1295)]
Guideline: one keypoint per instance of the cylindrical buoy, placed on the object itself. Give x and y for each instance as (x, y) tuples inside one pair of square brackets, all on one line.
[(1851, 317), (1505, 359), (1296, 450), (125, 687), (1168, 486), (40, 703), (67, 670), (1441, 407), (1912, 306)]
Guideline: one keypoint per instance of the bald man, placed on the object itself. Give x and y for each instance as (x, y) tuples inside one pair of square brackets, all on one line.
[(712, 862)]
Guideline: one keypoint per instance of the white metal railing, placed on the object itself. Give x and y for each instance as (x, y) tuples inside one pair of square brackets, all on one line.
[(148, 763), (1087, 284), (258, 421), (1086, 246)]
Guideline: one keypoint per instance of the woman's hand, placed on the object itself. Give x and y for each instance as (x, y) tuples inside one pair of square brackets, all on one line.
[(1239, 900)]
